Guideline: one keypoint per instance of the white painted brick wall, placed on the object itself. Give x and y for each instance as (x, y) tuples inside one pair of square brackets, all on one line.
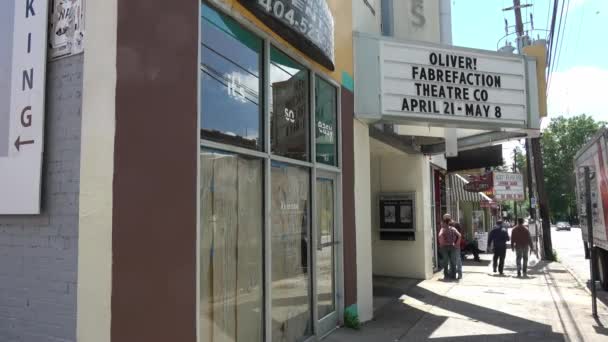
[(39, 254)]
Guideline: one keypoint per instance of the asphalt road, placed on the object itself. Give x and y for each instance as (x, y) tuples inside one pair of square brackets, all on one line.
[(570, 252)]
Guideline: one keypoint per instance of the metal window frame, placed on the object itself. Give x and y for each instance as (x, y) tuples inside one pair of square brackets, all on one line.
[(266, 155)]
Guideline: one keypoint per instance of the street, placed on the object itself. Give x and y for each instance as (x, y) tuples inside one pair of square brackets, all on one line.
[(570, 252)]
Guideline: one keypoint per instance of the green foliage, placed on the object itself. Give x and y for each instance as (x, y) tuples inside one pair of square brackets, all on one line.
[(351, 317), (560, 142)]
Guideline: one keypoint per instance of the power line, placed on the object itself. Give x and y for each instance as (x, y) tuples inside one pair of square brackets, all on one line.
[(556, 43), (552, 32), (561, 43)]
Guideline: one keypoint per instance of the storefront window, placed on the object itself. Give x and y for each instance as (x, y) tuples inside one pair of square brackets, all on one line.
[(238, 242), (231, 257), (230, 82), (289, 107), (326, 123), (325, 247), (291, 301)]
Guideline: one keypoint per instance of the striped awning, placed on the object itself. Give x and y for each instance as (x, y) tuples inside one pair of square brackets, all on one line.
[(457, 183)]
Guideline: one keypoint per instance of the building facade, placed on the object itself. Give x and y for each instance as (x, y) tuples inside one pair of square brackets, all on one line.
[(215, 171)]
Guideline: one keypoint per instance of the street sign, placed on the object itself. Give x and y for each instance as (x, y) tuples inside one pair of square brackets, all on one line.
[(23, 37), (508, 186), (477, 186)]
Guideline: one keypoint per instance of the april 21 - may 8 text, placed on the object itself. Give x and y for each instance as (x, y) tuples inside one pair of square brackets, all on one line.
[(439, 90)]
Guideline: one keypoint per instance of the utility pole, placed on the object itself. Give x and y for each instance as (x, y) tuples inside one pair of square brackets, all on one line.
[(592, 258), (534, 155), (542, 199)]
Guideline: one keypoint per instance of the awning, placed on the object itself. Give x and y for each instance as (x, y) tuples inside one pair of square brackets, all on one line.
[(458, 193)]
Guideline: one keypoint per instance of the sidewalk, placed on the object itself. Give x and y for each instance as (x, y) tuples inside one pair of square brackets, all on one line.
[(550, 305)]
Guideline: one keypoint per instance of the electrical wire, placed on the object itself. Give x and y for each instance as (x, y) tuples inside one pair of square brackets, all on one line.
[(555, 40), (561, 42), (552, 33), (556, 43)]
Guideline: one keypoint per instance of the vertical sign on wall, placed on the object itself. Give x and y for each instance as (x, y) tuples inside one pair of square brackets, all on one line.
[(23, 36)]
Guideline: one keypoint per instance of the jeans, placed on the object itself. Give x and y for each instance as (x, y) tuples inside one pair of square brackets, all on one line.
[(499, 256), (449, 256), (521, 253), (458, 262)]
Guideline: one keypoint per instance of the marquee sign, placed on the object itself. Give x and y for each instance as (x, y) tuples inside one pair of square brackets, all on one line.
[(23, 37), (419, 83), (433, 81), (306, 24)]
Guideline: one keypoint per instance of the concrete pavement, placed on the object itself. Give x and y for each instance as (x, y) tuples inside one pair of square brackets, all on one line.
[(550, 305), (571, 253)]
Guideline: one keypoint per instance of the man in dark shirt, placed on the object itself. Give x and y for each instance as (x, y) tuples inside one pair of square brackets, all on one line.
[(499, 237), (520, 241)]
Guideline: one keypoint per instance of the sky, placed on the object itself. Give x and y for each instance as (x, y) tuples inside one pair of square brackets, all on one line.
[(579, 83)]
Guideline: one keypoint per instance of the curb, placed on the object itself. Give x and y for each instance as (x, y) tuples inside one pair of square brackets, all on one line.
[(582, 283)]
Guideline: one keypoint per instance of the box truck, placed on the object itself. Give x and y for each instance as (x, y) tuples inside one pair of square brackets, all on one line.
[(595, 156)]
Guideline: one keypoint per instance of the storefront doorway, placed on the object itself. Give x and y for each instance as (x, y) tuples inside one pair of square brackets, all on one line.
[(325, 256), (270, 189)]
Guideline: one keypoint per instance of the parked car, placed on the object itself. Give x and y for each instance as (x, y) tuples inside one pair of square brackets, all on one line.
[(562, 225)]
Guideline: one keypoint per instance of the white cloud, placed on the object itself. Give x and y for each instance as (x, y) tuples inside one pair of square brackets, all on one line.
[(579, 90), (575, 4)]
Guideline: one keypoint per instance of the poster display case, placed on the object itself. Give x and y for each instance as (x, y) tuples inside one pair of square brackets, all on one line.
[(397, 216)]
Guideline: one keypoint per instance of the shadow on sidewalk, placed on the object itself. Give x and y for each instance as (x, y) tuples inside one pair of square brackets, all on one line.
[(413, 313), (520, 329)]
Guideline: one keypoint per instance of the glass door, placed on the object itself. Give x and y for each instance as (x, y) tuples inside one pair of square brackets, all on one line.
[(326, 266)]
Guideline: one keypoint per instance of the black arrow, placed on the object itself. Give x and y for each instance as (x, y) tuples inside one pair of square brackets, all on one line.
[(18, 142)]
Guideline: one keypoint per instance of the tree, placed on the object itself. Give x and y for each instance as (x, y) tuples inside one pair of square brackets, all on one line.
[(522, 168), (560, 142)]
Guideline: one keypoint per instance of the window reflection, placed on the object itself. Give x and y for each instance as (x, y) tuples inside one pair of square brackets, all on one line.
[(231, 248), (325, 125), (290, 293), (230, 82), (325, 251), (289, 107)]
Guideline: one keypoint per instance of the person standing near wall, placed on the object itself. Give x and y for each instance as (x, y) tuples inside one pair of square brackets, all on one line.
[(520, 242), (449, 238), (498, 238)]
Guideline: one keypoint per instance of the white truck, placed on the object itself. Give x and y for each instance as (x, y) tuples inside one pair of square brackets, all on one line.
[(594, 155)]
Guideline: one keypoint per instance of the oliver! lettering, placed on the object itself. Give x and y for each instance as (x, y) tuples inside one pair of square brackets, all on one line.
[(464, 83)]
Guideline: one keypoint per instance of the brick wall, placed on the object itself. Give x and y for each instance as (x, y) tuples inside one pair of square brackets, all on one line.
[(39, 254)]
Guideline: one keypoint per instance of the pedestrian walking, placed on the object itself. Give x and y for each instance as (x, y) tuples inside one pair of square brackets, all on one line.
[(449, 237), (521, 243), (498, 238)]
